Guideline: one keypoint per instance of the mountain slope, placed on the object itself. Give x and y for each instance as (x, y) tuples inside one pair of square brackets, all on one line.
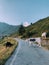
[(6, 29), (37, 28)]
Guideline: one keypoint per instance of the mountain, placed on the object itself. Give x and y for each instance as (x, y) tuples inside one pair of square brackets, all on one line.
[(6, 29), (38, 27), (33, 30)]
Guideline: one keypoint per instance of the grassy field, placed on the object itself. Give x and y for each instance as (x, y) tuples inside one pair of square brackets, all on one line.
[(5, 53)]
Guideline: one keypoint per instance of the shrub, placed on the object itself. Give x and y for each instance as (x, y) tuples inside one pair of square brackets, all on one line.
[(47, 35)]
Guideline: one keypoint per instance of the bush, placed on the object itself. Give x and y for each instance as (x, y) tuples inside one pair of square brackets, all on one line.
[(47, 35)]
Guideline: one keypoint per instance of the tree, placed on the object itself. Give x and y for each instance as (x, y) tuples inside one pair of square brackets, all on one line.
[(47, 35), (21, 30), (31, 23)]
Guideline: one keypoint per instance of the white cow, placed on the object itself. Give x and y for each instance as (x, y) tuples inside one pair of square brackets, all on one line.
[(43, 35)]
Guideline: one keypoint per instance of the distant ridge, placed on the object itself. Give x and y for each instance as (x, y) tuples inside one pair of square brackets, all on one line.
[(6, 29)]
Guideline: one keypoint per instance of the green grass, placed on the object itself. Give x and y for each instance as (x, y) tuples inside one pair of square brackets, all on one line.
[(5, 53)]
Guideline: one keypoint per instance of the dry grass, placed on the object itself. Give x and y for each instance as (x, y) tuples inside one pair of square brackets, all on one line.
[(5, 53)]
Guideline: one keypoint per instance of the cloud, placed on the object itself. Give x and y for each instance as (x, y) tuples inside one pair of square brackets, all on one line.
[(26, 24)]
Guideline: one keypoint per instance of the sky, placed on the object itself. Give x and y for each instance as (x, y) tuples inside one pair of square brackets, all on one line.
[(16, 12)]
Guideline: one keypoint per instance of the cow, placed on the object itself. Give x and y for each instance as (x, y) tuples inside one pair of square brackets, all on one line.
[(8, 44), (44, 35)]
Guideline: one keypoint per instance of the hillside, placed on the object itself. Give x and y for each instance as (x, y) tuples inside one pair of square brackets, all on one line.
[(37, 28), (34, 30), (6, 29)]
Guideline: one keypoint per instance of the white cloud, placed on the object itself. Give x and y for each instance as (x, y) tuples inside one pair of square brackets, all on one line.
[(26, 24)]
